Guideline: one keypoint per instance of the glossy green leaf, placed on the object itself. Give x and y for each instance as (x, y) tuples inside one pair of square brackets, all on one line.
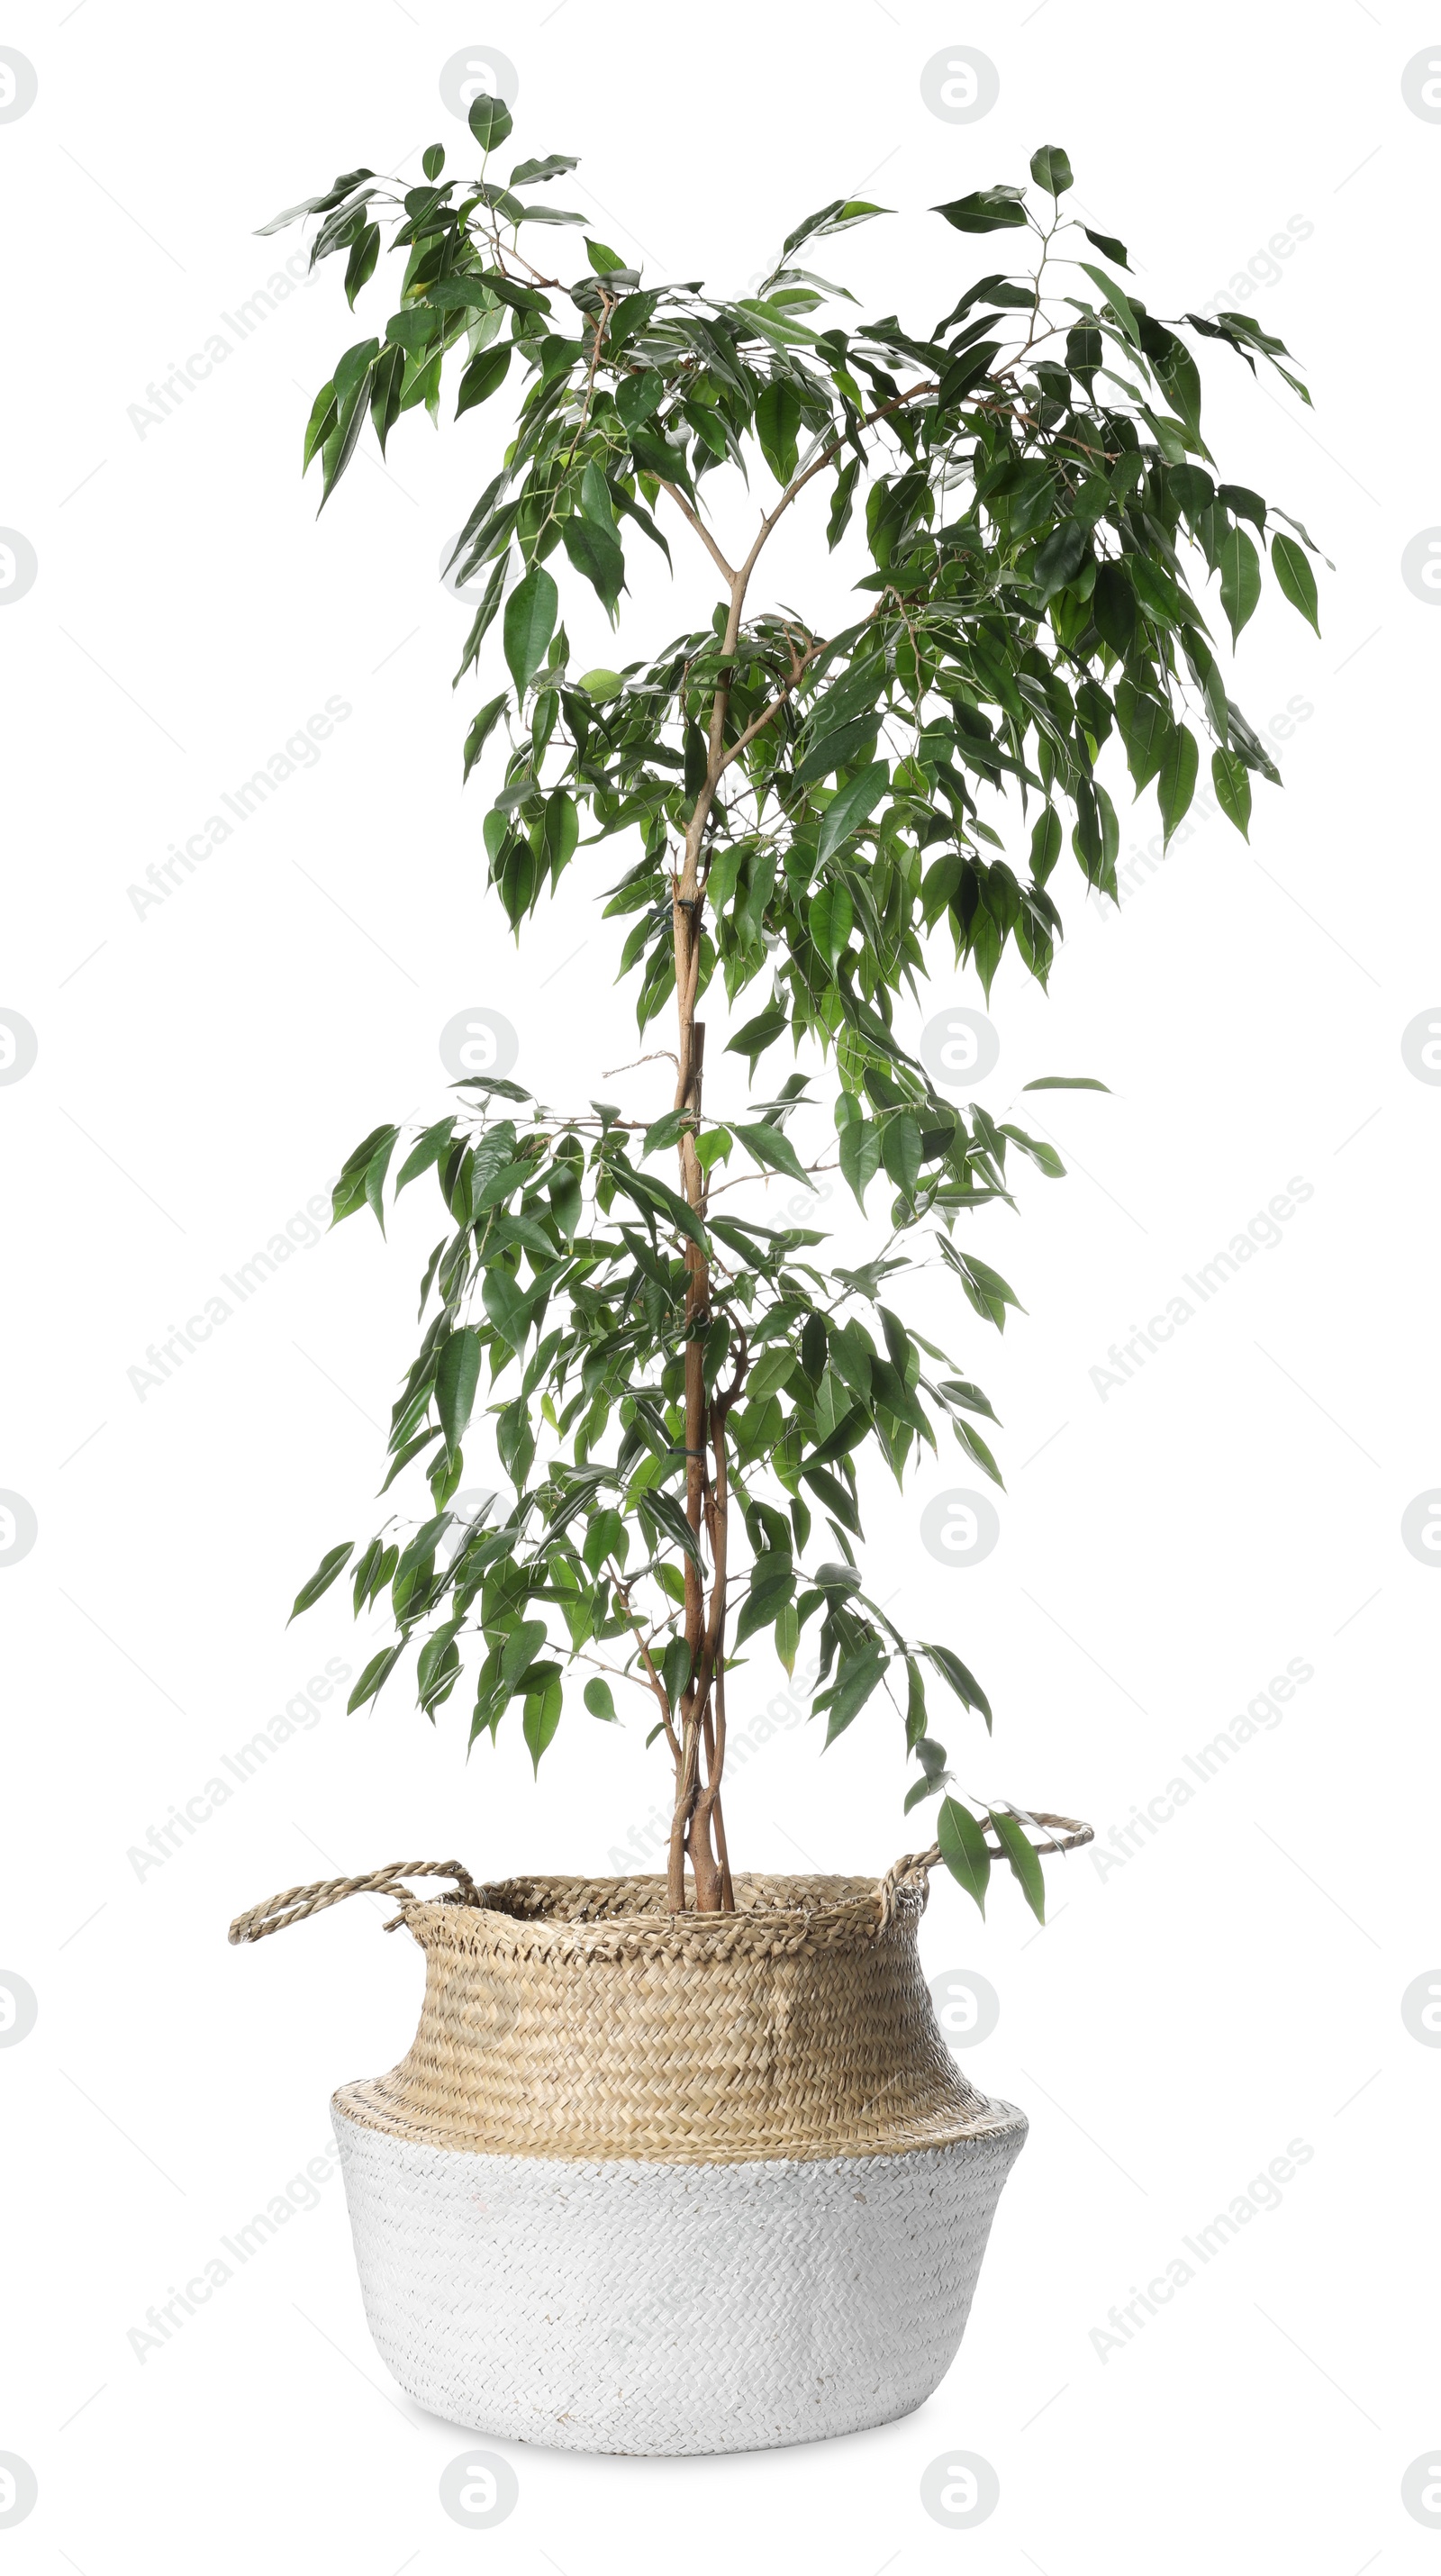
[(490, 121), (331, 1565), (484, 376), (456, 1377), (1232, 782), (964, 1849), (778, 420), (1020, 1851), (1240, 579), (1298, 582), (766, 1145), (595, 552), (831, 918), (1176, 780), (985, 210), (530, 615), (542, 1717), (850, 807)]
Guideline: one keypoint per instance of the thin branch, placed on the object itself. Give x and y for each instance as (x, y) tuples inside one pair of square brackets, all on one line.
[(727, 571)]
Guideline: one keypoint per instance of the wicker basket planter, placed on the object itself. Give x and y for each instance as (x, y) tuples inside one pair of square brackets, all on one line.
[(667, 2184)]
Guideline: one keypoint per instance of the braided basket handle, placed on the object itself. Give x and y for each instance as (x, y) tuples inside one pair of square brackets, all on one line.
[(294, 1903), (1054, 1834)]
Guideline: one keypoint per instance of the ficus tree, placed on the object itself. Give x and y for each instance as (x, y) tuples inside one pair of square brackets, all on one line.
[(679, 1388)]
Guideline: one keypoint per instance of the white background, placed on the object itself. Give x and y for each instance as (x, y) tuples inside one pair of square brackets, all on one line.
[(203, 1066)]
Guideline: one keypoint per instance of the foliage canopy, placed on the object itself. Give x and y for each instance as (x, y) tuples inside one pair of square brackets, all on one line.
[(680, 1390)]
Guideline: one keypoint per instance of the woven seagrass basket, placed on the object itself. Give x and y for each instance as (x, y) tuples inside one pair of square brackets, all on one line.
[(662, 2183)]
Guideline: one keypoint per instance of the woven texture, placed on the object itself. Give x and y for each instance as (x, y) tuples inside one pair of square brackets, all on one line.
[(664, 2309), (575, 2018)]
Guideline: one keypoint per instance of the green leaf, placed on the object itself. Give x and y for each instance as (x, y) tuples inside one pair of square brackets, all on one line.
[(320, 424), (1232, 782), (985, 1289), (1145, 727), (771, 1585), (482, 727), (542, 1717), (1050, 168), (758, 1034), (835, 1497), (778, 420), (1108, 243), (487, 370), (519, 1652), (1240, 579), (850, 807), (636, 397), (985, 210), (596, 552), (1113, 606), (484, 617), (560, 831), (456, 1375), (597, 1697), (386, 385), (375, 1171), (1295, 576), (529, 174), (1059, 559), (530, 615), (768, 1146), (508, 1306), (376, 1673), (901, 1152), (842, 500), (1065, 1082), (321, 1580), (1116, 298), (835, 749), (1176, 784), (675, 1670), (846, 1700), (837, 217), (490, 121), (1020, 1851), (961, 1679), (426, 1150), (832, 914), (964, 1849), (860, 1156)]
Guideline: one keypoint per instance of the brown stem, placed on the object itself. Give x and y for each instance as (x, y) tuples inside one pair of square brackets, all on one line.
[(697, 1829)]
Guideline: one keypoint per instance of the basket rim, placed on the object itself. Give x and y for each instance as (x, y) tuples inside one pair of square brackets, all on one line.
[(551, 1911)]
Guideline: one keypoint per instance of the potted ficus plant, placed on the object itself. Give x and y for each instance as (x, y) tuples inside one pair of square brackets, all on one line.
[(681, 2163)]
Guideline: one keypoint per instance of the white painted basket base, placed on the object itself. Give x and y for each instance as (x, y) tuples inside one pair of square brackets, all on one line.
[(668, 2309)]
